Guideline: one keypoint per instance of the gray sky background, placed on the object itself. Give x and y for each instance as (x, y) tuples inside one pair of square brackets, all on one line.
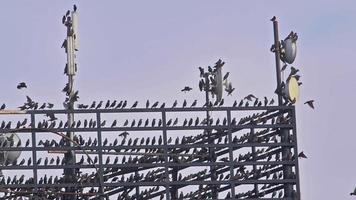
[(151, 49)]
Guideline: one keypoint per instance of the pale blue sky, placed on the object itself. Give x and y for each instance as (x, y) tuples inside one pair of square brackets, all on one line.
[(151, 49)]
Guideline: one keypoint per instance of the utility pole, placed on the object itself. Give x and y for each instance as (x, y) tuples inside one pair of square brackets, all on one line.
[(70, 45)]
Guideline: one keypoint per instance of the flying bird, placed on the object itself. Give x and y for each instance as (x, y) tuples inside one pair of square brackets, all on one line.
[(186, 89), (310, 103), (353, 193), (21, 85), (302, 155)]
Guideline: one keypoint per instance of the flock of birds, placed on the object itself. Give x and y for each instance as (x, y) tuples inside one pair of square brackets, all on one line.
[(142, 145), (131, 151)]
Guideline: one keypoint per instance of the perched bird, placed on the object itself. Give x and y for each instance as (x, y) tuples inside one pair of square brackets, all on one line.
[(147, 103), (226, 75), (310, 103), (3, 106), (229, 89), (155, 104), (194, 103), (284, 67), (74, 8), (273, 18), (134, 105), (175, 104), (293, 71), (302, 155), (186, 89), (184, 103), (63, 19), (201, 70), (21, 85)]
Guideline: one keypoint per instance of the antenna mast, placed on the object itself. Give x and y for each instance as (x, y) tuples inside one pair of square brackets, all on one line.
[(71, 22)]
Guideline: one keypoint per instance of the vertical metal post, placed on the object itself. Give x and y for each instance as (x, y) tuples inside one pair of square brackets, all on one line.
[(277, 58), (284, 133), (100, 155), (70, 158), (34, 155), (254, 156), (295, 146), (231, 155), (210, 140), (165, 154)]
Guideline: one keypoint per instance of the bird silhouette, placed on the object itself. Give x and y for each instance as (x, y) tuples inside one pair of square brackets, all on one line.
[(155, 104), (175, 104), (3, 106), (134, 105), (74, 8), (194, 103), (353, 193), (186, 89), (21, 85), (184, 103), (310, 103), (302, 155)]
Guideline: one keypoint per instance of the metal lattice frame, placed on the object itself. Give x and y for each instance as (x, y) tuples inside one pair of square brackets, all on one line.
[(254, 173)]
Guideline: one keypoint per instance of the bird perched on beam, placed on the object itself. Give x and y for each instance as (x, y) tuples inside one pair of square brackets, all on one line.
[(21, 85), (186, 89)]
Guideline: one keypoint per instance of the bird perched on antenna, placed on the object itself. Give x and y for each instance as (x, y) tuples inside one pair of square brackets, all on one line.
[(21, 85), (186, 89), (74, 8)]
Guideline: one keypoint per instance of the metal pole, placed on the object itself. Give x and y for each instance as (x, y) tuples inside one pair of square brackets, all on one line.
[(210, 141), (278, 58), (284, 133), (70, 173)]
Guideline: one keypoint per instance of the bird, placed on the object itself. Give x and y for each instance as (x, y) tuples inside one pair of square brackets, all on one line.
[(226, 75), (175, 103), (186, 89), (194, 103), (68, 12), (3, 106), (249, 97), (134, 105), (284, 67), (293, 71), (63, 19), (302, 155), (273, 18), (21, 85), (155, 104), (74, 8), (310, 103), (353, 193), (229, 89), (114, 123), (99, 105), (124, 134), (201, 70), (184, 103)]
